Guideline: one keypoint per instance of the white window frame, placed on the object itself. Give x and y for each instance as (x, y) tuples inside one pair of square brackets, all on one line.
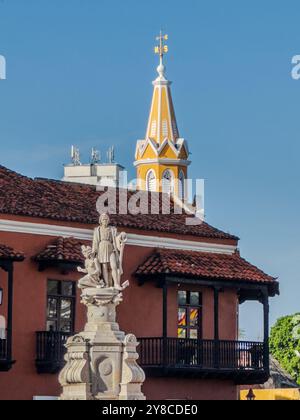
[(171, 189), (181, 186), (154, 179)]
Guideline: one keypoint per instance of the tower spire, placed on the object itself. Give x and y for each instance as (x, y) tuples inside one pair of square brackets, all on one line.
[(162, 156), (162, 122)]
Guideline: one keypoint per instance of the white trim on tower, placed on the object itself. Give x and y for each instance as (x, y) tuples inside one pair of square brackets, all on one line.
[(176, 162)]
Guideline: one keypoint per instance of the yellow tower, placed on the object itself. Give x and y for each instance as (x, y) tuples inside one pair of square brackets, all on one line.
[(161, 158)]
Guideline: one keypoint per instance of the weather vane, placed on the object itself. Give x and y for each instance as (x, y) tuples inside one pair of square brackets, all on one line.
[(162, 48)]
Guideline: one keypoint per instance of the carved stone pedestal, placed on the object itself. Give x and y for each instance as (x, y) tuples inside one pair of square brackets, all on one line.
[(101, 362)]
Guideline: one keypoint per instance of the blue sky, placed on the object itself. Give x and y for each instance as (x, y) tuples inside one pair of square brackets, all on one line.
[(79, 72)]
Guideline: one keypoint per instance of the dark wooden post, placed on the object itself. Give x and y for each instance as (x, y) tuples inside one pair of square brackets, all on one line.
[(216, 313), (216, 328), (10, 312), (266, 305), (165, 323)]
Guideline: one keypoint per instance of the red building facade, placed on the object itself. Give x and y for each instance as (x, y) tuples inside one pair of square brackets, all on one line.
[(186, 284)]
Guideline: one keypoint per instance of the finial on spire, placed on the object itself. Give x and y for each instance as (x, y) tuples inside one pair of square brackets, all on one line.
[(161, 49)]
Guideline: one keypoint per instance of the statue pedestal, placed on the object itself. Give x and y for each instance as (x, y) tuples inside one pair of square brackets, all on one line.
[(101, 362)]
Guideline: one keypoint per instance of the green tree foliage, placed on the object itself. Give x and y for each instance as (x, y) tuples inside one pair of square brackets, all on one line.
[(285, 344)]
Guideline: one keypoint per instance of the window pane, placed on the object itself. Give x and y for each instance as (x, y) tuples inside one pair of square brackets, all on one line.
[(66, 326), (182, 298), (167, 182), (194, 334), (181, 317), (67, 288), (65, 308), (51, 326), (195, 298), (194, 317), (52, 308), (53, 287), (151, 181), (181, 333)]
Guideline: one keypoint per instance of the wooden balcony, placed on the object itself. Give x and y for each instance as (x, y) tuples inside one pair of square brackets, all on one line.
[(5, 361), (242, 361), (50, 351), (2, 349)]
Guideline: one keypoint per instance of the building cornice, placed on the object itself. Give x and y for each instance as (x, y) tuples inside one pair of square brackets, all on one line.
[(13, 226), (162, 161)]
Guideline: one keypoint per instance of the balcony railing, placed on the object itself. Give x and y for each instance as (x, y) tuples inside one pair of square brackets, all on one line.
[(239, 360), (5, 359), (242, 361), (50, 351)]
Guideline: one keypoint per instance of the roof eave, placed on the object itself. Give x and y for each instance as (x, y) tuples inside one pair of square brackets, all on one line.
[(272, 286)]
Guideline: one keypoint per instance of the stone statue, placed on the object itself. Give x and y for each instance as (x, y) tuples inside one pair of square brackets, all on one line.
[(108, 249), (91, 268), (101, 361)]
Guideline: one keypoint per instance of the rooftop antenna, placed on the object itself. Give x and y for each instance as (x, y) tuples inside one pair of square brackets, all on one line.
[(111, 154), (75, 156), (95, 156)]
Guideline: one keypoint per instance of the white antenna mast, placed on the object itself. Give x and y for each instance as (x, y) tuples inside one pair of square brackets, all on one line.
[(75, 156), (111, 154), (95, 156)]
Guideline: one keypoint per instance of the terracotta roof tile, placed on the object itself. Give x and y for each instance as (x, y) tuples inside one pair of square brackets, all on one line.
[(202, 265), (7, 253), (71, 202), (62, 250)]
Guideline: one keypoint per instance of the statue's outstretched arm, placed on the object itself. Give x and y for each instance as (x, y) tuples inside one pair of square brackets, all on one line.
[(120, 240)]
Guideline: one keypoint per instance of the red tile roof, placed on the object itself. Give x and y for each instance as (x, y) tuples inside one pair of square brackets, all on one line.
[(62, 250), (202, 265), (7, 253), (71, 202)]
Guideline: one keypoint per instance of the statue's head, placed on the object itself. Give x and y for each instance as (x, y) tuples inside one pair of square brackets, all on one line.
[(104, 220)]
